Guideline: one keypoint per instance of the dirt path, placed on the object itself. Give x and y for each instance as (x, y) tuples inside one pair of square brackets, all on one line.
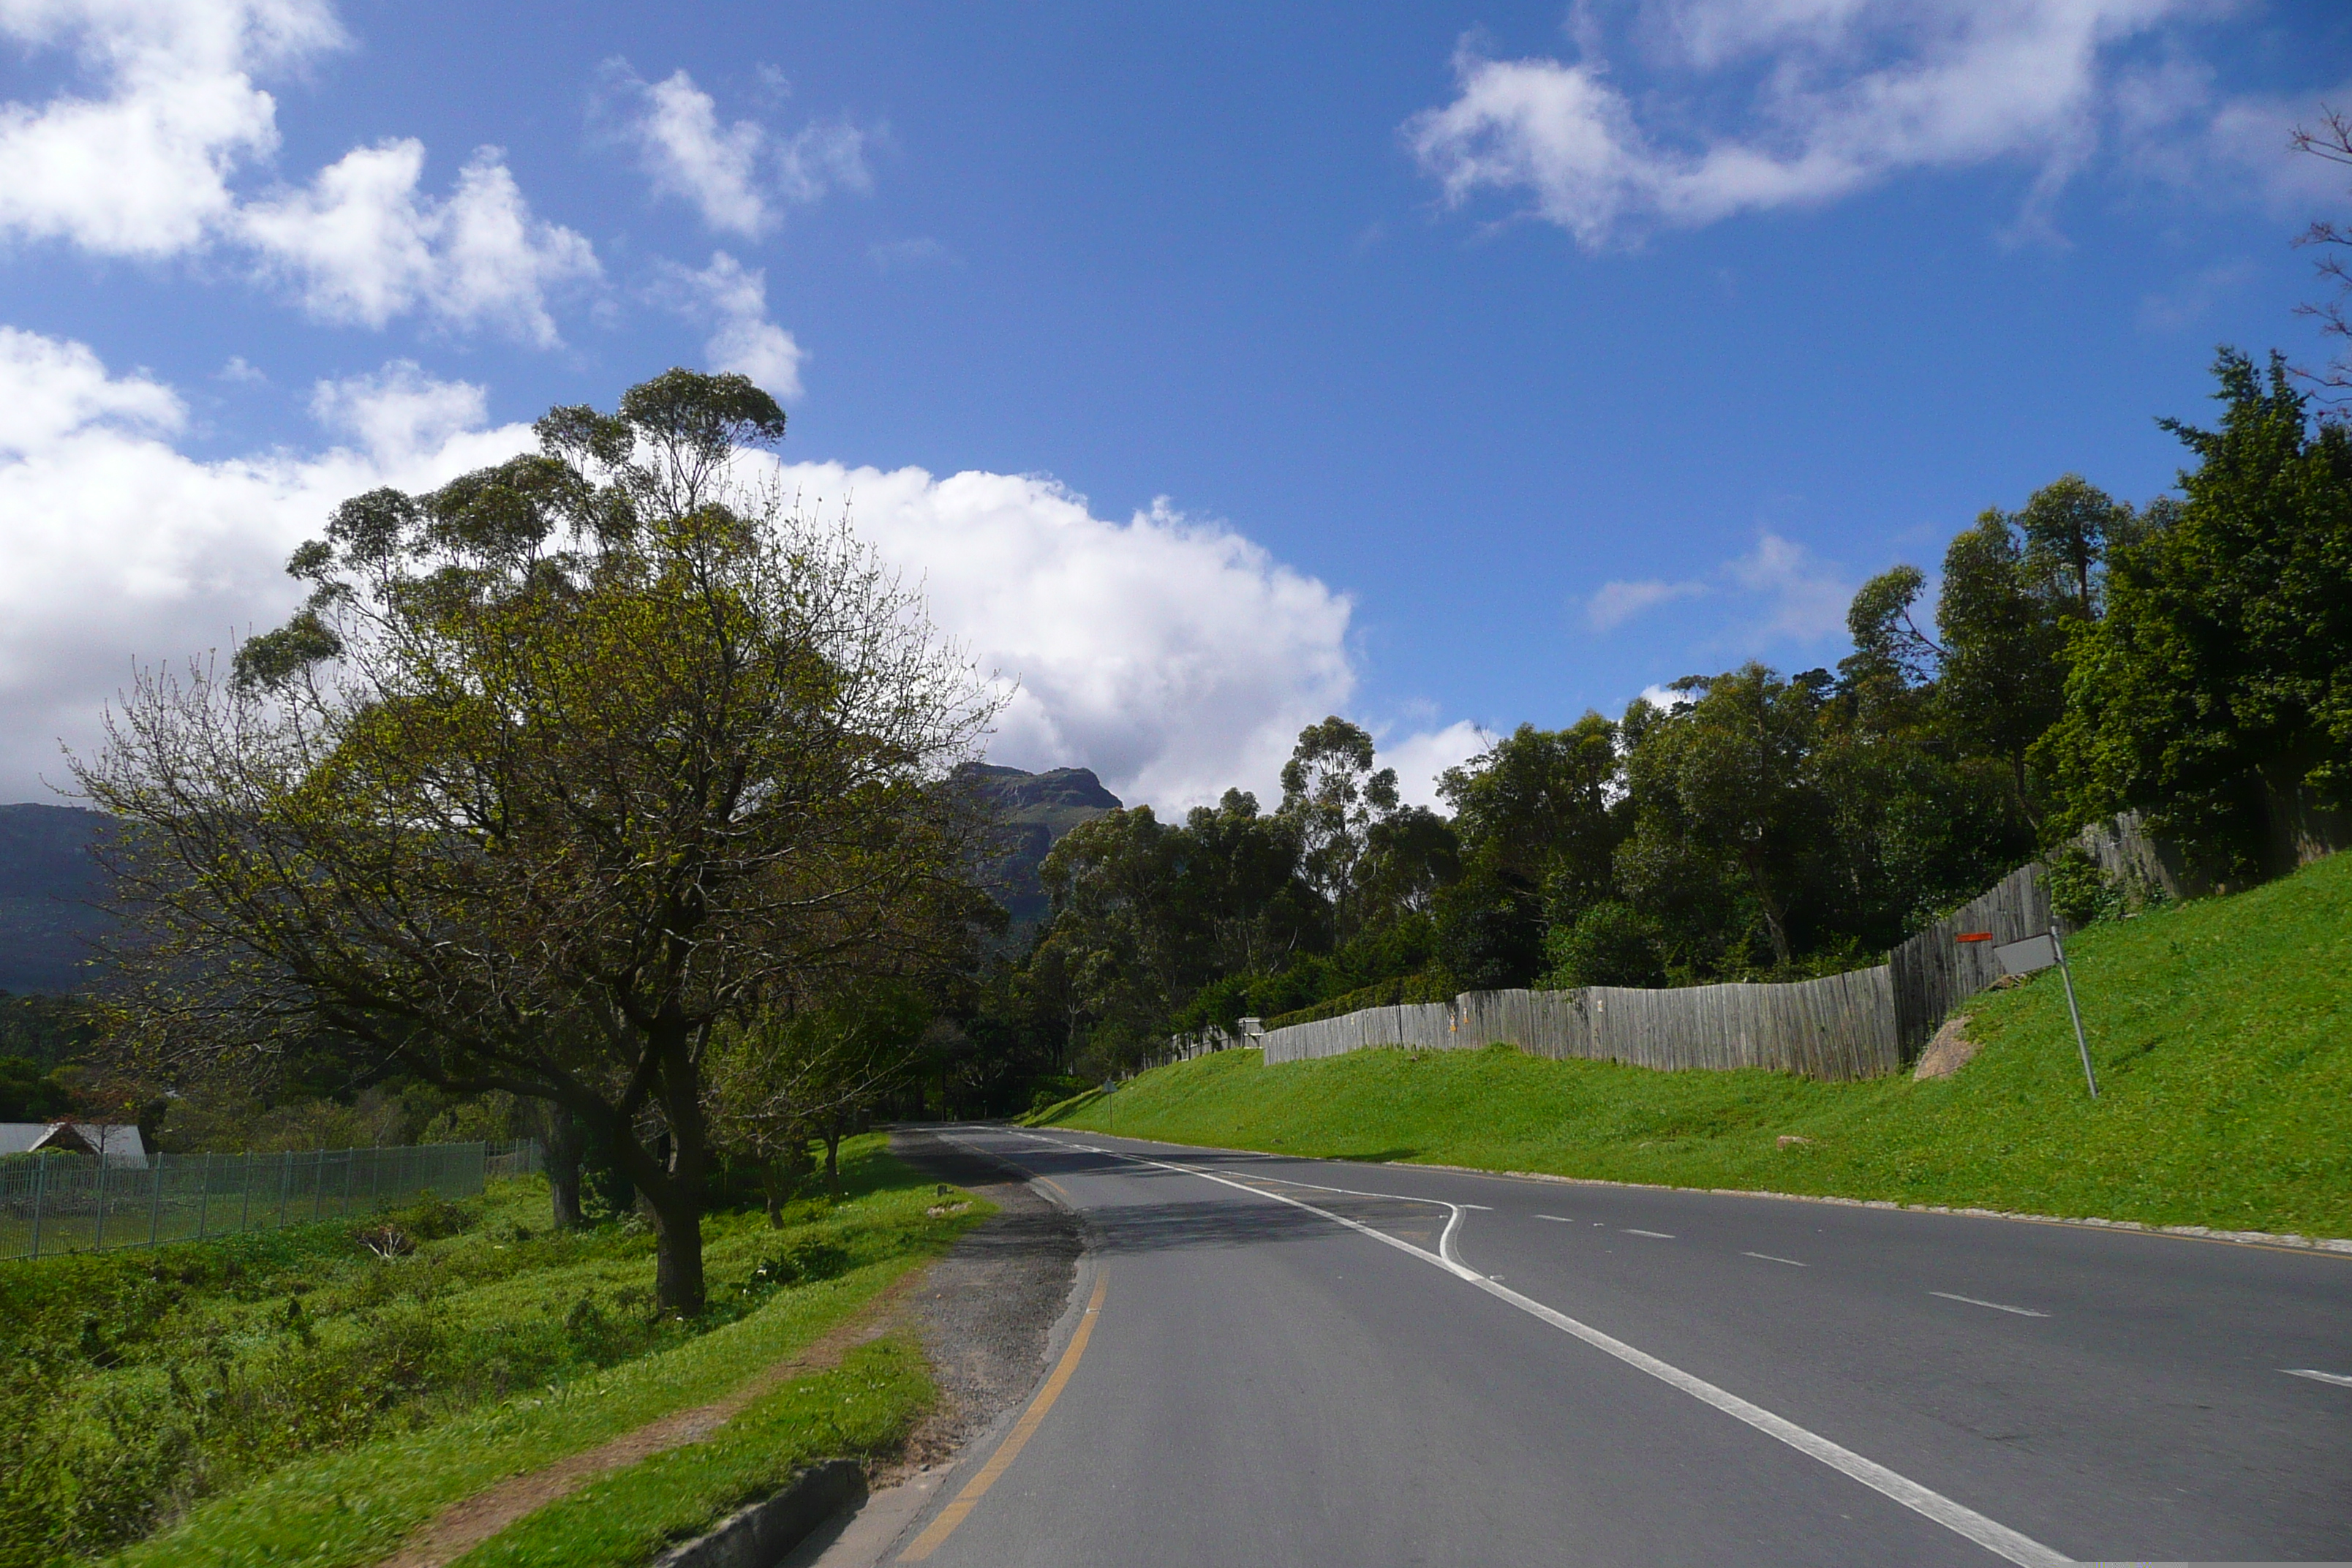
[(460, 1527)]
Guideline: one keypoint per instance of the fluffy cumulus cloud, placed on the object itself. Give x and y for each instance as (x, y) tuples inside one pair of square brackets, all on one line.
[(731, 300), (143, 165), (1419, 757), (739, 175), (1778, 591), (362, 243), (1765, 104), (1173, 656), (121, 548)]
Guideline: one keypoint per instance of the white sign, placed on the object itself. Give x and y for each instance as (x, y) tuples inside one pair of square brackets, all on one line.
[(2025, 957)]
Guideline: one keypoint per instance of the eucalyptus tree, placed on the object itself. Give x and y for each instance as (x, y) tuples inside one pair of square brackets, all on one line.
[(559, 768)]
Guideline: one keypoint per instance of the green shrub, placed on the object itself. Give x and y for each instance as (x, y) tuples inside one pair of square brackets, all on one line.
[(1412, 988)]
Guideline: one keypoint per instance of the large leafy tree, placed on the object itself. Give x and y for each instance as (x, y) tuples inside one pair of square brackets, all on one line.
[(1333, 796), (1726, 785), (560, 768), (2216, 694)]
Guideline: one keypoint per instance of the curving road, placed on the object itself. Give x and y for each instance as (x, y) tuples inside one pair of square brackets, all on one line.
[(1273, 1360)]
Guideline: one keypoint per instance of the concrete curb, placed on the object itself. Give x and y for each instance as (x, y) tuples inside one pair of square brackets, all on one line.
[(762, 1535), (2199, 1232)]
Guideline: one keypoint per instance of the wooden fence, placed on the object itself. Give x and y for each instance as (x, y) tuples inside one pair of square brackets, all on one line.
[(1861, 1024)]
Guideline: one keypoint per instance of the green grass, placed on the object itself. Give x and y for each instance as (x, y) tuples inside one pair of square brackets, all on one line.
[(289, 1397), (2221, 1031), (863, 1408)]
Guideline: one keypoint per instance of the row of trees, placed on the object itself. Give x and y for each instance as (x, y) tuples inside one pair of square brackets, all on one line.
[(2191, 659), (603, 780)]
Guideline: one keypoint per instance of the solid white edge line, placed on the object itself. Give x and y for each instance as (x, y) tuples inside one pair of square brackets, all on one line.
[(2317, 1376), (1958, 1517), (1996, 1306)]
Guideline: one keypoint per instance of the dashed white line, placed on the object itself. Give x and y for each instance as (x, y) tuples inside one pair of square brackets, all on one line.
[(1556, 1218), (2317, 1376), (1996, 1306), (1769, 1259), (1960, 1519), (1661, 1235)]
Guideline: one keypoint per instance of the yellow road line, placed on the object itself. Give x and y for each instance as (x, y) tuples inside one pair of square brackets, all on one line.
[(1000, 1461), (1057, 1187)]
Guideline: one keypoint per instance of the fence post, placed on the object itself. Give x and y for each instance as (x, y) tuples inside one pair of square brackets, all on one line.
[(155, 1201), (98, 1235), (284, 1185), (40, 1192), (318, 1182), (244, 1193), (375, 1177), (204, 1194)]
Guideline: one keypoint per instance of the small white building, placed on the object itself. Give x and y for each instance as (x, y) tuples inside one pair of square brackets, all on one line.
[(117, 1143)]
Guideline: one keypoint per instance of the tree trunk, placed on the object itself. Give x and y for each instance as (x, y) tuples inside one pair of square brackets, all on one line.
[(564, 1137), (833, 1156), (672, 1185), (775, 1185)]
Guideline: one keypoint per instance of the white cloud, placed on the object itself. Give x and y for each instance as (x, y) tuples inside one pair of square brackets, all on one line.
[(400, 415), (1616, 603), (1173, 657), (141, 168), (145, 169), (363, 245), (1833, 96), (121, 548), (733, 300), (1419, 757), (1786, 593), (1804, 598), (738, 177)]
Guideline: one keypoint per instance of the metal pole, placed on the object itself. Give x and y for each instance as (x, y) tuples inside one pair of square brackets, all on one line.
[(2074, 1011), (154, 1202), (40, 1191)]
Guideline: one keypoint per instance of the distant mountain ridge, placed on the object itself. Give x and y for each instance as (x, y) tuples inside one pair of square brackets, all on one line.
[(47, 881), (1036, 809)]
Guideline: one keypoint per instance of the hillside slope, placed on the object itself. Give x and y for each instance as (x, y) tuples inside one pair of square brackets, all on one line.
[(2221, 1030), (46, 879)]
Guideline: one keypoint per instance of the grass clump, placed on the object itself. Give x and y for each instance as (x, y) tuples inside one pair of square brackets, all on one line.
[(311, 1395), (2221, 1030)]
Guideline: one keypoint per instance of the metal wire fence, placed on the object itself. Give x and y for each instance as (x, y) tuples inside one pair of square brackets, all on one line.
[(54, 1204)]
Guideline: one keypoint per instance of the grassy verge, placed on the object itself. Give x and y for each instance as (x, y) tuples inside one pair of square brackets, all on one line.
[(2221, 1031), (864, 1407), (293, 1397)]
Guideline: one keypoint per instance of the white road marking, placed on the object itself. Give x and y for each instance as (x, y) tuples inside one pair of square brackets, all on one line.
[(1769, 1259), (1971, 1301), (1991, 1534), (1661, 1235), (1556, 1218), (2334, 1377)]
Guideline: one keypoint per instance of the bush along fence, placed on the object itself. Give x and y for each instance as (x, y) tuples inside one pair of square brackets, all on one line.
[(52, 1203), (1861, 1024)]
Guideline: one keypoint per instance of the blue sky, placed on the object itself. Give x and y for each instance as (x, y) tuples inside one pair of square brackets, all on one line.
[(1449, 365)]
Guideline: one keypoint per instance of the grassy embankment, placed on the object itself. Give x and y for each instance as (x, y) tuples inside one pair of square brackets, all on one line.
[(292, 1398), (2221, 1031)]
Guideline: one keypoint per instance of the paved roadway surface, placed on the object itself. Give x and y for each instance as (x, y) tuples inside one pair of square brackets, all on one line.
[(1433, 1368)]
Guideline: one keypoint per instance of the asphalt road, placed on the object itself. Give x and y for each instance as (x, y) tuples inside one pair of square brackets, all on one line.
[(1430, 1368)]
